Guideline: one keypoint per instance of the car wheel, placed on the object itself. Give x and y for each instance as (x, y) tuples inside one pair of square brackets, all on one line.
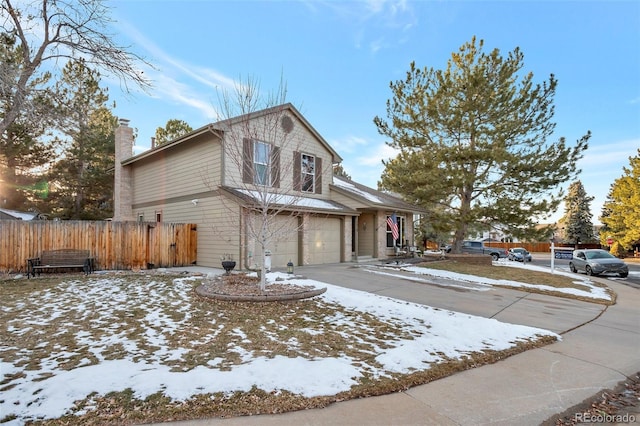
[(495, 256), (624, 274), (573, 268), (588, 270)]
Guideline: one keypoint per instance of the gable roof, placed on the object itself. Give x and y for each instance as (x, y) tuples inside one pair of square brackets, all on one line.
[(218, 128), (278, 109), (371, 197)]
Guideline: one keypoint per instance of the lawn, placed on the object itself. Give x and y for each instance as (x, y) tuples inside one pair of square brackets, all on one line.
[(504, 273), (133, 348)]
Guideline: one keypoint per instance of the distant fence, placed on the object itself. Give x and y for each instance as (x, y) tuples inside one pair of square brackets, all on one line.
[(115, 245), (544, 247), (539, 247)]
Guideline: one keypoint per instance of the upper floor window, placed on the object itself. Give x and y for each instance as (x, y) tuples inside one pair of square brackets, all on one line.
[(307, 173), (261, 155), (261, 163), (308, 168)]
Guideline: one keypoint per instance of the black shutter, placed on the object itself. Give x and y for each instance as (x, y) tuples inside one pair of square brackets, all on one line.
[(318, 175), (275, 166), (247, 160), (297, 159)]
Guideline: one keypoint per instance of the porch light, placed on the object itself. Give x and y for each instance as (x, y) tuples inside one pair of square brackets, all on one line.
[(290, 267)]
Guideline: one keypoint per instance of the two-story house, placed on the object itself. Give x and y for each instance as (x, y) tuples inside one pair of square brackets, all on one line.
[(268, 167)]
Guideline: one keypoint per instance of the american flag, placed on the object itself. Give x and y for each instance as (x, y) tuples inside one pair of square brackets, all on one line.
[(393, 225)]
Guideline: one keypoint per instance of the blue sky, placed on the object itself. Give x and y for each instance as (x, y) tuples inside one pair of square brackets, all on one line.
[(338, 58)]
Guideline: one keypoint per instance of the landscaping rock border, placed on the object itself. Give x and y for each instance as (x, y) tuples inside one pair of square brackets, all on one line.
[(205, 291)]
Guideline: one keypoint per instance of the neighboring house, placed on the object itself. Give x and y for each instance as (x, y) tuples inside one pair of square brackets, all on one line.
[(16, 215), (216, 175)]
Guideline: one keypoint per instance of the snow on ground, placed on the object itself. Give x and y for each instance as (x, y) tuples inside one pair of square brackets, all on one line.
[(46, 390), (472, 282)]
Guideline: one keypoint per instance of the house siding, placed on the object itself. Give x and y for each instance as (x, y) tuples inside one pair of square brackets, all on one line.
[(191, 168), (213, 216)]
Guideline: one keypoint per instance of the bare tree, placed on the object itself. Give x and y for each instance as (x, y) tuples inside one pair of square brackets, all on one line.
[(262, 144), (48, 31)]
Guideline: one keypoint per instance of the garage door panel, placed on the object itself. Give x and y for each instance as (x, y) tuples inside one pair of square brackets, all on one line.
[(324, 240), (284, 246)]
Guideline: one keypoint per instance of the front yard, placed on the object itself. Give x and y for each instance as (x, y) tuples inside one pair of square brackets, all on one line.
[(133, 348)]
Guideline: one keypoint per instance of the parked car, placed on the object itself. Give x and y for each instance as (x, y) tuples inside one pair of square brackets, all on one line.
[(596, 262), (519, 254), (446, 248), (478, 247)]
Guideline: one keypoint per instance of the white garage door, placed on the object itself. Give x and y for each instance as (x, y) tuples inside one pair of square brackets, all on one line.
[(323, 240)]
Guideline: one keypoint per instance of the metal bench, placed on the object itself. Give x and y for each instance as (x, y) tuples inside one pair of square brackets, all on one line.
[(59, 259)]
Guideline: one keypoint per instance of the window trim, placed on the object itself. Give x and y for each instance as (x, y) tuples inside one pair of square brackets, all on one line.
[(249, 166), (297, 173), (305, 175), (260, 162)]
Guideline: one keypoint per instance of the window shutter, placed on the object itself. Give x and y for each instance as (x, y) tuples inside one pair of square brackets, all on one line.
[(318, 175), (247, 160), (275, 166), (297, 173)]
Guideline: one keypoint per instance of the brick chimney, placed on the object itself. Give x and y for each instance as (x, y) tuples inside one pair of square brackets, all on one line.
[(122, 184)]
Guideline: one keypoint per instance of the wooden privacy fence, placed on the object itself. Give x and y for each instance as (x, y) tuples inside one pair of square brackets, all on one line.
[(114, 245), (540, 247)]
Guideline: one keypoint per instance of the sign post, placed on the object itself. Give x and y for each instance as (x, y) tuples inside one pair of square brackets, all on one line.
[(553, 253)]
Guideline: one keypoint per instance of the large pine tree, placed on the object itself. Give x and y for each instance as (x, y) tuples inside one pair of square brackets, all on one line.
[(578, 226), (83, 179), (24, 146), (172, 130), (474, 144), (621, 211)]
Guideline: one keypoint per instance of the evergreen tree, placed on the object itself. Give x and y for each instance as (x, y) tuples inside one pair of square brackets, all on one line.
[(24, 145), (338, 170), (172, 130), (577, 223), (83, 180), (621, 211), (473, 139)]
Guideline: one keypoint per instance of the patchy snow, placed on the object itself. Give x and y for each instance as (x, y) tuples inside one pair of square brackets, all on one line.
[(482, 284), (47, 390), (289, 200), (352, 188)]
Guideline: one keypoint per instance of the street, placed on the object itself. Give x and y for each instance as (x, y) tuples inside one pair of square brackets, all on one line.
[(633, 280)]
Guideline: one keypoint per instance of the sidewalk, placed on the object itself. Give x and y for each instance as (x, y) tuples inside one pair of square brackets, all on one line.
[(600, 346)]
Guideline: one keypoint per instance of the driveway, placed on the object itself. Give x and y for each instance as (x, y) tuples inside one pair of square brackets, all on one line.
[(506, 305)]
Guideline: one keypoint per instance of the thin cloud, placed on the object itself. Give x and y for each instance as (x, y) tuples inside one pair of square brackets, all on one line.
[(170, 77), (383, 19), (612, 154), (350, 144), (377, 154)]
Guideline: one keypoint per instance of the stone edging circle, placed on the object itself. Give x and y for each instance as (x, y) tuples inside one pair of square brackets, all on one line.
[(201, 291)]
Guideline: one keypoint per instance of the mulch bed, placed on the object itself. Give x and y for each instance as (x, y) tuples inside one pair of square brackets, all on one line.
[(241, 287)]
